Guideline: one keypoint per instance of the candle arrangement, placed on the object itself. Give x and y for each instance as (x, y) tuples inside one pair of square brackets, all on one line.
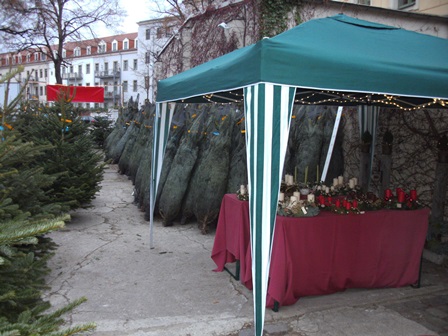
[(342, 197)]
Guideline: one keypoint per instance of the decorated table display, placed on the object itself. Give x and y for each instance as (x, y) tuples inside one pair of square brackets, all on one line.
[(326, 253), (307, 200)]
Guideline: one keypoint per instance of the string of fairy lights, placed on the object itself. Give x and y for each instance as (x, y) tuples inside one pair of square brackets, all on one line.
[(337, 98), (315, 98)]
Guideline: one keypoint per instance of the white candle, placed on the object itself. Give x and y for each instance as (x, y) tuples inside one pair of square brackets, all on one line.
[(327, 190), (335, 182), (332, 188), (340, 179), (310, 198), (296, 194), (319, 187), (243, 189), (281, 197), (293, 199), (351, 184), (291, 180), (355, 180)]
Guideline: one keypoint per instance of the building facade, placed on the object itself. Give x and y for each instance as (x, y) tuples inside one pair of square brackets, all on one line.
[(129, 65)]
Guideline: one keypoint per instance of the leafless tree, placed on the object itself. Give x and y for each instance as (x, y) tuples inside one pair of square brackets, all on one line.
[(181, 9), (47, 25)]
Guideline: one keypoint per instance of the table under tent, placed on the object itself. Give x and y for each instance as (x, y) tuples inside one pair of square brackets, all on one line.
[(337, 60)]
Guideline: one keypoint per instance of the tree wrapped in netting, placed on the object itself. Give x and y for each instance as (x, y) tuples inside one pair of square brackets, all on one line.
[(238, 156), (178, 178), (141, 141), (209, 180), (131, 134)]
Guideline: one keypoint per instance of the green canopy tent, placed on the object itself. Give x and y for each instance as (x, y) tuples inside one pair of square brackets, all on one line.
[(337, 60)]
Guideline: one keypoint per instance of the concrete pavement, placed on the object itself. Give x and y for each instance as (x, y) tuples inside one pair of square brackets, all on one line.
[(171, 290)]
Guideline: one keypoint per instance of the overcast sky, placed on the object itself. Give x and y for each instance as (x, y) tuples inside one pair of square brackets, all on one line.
[(138, 10)]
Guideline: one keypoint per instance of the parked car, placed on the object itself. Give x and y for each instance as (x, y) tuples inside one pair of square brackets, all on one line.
[(88, 119)]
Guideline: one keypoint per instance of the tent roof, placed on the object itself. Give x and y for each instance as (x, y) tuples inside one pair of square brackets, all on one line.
[(335, 60)]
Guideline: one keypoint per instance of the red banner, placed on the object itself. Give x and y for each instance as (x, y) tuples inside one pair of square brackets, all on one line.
[(75, 94)]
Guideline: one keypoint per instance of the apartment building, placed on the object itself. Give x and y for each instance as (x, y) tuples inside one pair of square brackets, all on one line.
[(431, 7)]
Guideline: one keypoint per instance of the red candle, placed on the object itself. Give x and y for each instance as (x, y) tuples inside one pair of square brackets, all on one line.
[(348, 205), (355, 203), (321, 200), (400, 197), (344, 203), (399, 190), (388, 194), (413, 194), (338, 203)]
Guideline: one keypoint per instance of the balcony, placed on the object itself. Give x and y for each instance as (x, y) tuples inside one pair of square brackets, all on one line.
[(107, 74), (109, 95), (72, 75)]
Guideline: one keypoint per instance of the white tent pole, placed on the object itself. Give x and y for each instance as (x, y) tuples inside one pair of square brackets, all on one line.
[(332, 141)]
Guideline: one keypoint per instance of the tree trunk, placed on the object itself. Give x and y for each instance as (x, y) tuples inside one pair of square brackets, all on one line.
[(386, 167)]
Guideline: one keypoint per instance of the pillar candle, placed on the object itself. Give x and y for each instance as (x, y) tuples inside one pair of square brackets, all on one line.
[(327, 190), (413, 194), (335, 182), (355, 179), (243, 189), (348, 206), (321, 200), (338, 203), (340, 179), (388, 194), (355, 203), (297, 194), (351, 184), (293, 199), (400, 197), (281, 197), (310, 198)]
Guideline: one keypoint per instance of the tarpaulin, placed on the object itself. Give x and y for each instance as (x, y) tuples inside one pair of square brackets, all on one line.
[(75, 94)]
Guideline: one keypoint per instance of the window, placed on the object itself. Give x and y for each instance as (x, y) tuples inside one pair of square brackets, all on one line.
[(71, 68), (364, 2), (134, 86), (87, 84), (79, 69), (36, 56), (125, 65), (41, 73), (159, 32), (135, 43), (41, 91), (116, 67), (114, 46), (125, 86), (44, 57), (405, 3), (106, 67), (97, 67), (125, 44), (7, 60), (135, 64), (46, 73), (64, 53), (101, 48), (77, 51), (89, 50), (148, 34), (147, 57), (28, 58), (19, 58)]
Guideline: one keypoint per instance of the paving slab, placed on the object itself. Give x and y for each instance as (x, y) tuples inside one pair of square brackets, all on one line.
[(171, 290)]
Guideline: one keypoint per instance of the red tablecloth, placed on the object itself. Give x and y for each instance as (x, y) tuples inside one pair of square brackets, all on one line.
[(327, 253)]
